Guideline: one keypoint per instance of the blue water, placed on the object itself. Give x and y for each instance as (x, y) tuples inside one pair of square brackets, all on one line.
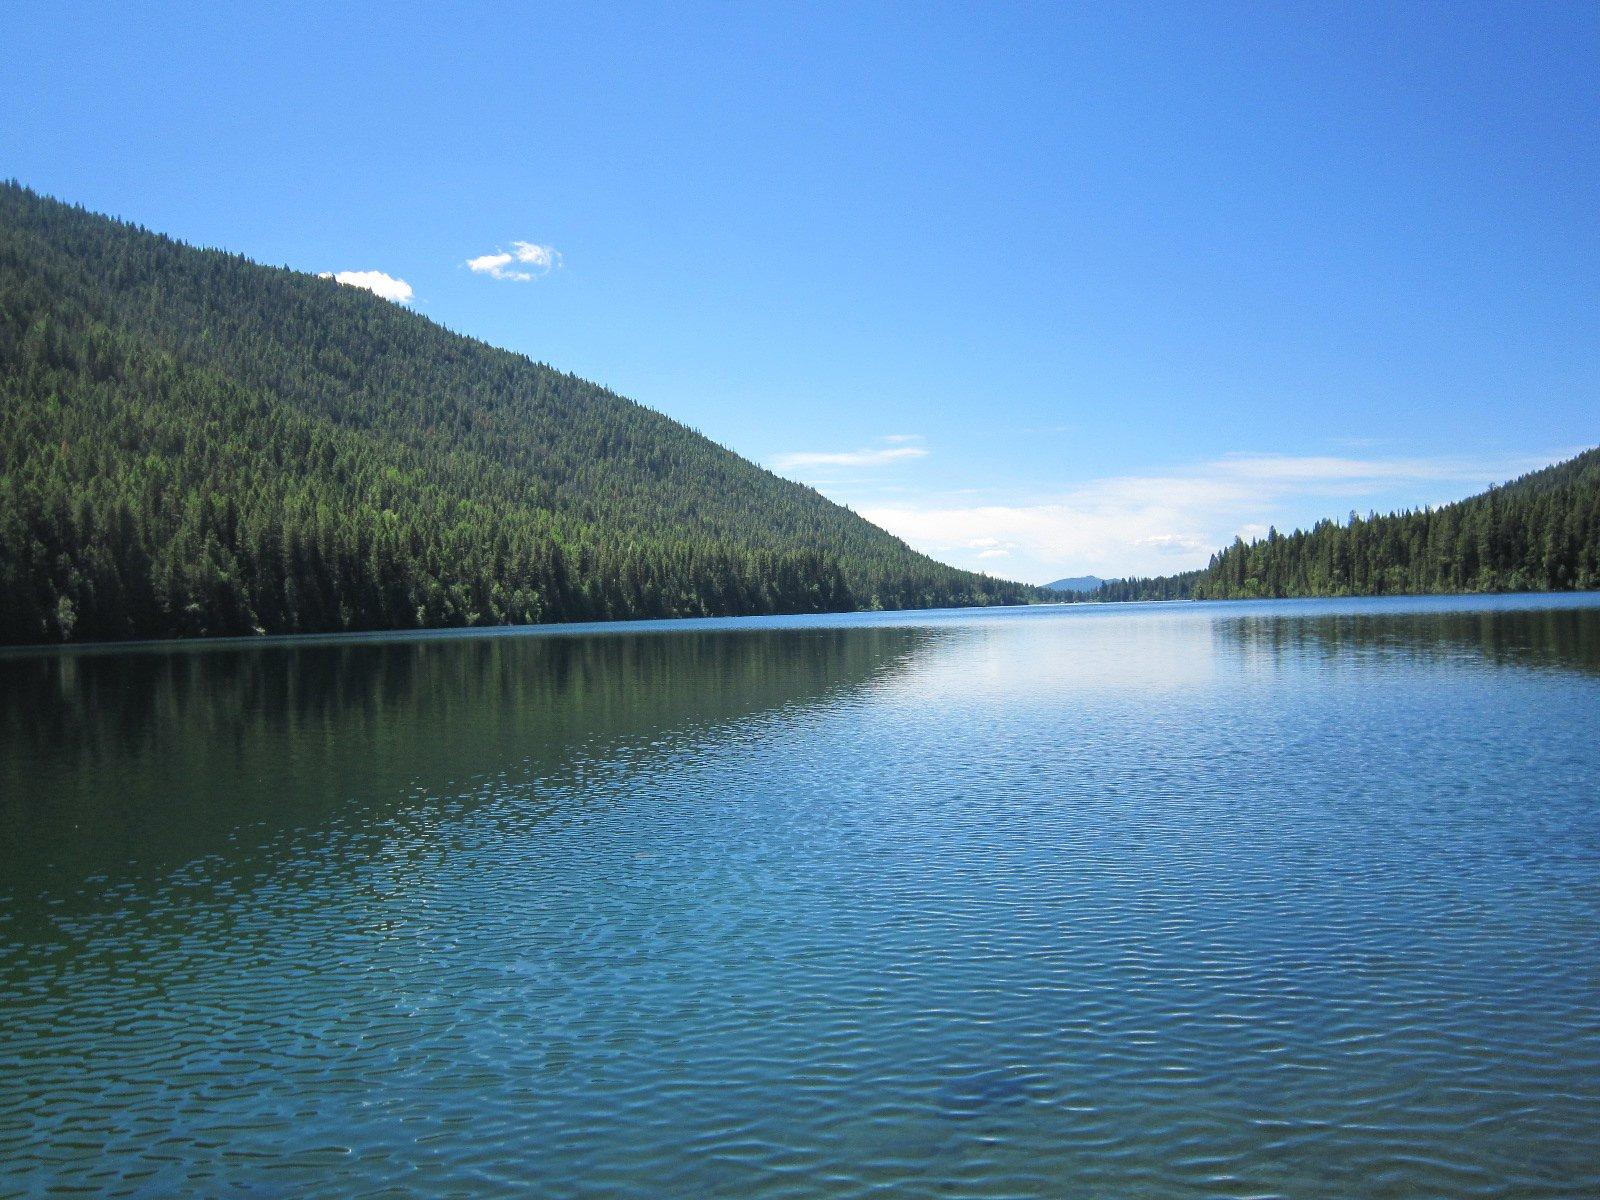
[(1293, 899)]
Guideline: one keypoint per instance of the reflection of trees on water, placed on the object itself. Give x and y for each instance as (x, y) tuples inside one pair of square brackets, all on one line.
[(1563, 639), (165, 755)]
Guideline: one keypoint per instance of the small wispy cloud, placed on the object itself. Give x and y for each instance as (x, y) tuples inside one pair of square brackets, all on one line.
[(897, 447), (523, 263), (376, 282)]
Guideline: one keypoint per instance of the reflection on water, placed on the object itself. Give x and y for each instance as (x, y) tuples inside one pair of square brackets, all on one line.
[(116, 760), (1561, 638), (1268, 899)]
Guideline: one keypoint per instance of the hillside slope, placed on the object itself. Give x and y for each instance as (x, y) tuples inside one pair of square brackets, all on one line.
[(191, 443), (1537, 533)]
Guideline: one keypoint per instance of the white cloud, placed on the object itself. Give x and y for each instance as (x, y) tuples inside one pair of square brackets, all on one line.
[(1157, 524), (896, 448), (488, 263), (375, 282), (848, 458), (1177, 543), (533, 262)]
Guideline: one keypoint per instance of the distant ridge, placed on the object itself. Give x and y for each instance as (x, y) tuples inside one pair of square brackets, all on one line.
[(1075, 583), (194, 444)]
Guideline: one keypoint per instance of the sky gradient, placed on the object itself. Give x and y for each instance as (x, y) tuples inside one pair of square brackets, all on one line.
[(1046, 290)]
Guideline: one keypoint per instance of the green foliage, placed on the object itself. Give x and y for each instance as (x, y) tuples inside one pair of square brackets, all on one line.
[(192, 444), (1540, 533)]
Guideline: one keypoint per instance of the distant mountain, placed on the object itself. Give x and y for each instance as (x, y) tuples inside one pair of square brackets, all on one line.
[(1075, 583), (191, 443), (1538, 533)]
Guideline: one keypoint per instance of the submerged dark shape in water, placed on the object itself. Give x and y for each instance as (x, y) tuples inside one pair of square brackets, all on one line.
[(974, 1093)]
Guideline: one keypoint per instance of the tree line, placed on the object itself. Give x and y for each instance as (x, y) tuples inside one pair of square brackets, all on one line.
[(1538, 533)]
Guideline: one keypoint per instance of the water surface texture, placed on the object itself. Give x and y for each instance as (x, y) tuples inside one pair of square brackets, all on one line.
[(1295, 899)]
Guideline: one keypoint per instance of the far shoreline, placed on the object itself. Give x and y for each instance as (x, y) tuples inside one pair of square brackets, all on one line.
[(762, 623)]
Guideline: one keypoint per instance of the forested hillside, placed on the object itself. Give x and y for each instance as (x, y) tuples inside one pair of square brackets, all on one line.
[(191, 443), (1538, 533)]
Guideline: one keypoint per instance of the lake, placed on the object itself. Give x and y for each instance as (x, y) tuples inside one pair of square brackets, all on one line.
[(1281, 899)]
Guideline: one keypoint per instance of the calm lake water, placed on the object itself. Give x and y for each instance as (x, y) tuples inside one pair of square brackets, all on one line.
[(1294, 899)]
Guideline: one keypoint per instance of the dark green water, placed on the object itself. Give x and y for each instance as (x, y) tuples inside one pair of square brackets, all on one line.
[(1294, 899)]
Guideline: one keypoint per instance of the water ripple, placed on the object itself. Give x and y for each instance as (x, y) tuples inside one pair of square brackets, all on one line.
[(1167, 904)]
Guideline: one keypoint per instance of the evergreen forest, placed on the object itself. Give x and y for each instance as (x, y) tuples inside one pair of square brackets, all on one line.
[(1539, 533), (194, 444)]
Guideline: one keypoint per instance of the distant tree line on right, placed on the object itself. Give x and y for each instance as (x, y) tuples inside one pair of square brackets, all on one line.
[(1538, 533)]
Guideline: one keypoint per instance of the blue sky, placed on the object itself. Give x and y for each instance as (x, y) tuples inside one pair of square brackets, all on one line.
[(1046, 289)]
